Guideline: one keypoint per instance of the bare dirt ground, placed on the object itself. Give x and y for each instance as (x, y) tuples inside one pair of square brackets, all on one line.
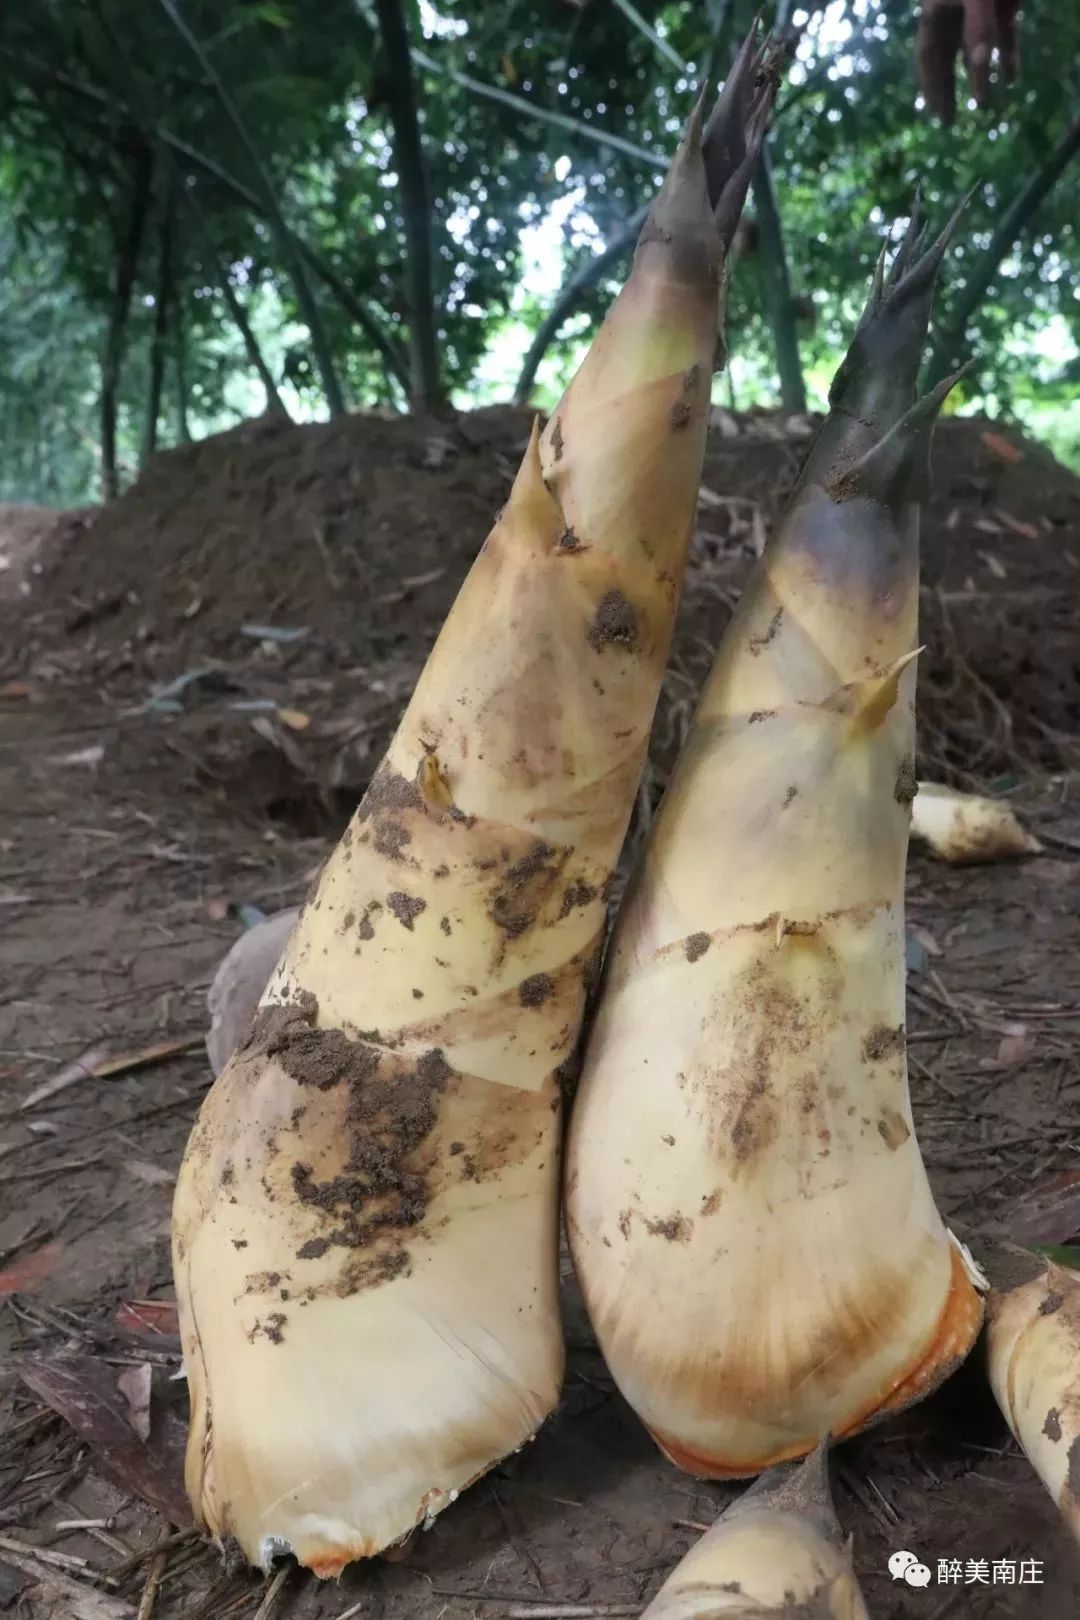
[(170, 752)]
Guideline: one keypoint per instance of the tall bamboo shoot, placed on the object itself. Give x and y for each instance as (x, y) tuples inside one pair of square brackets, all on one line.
[(365, 1221), (748, 1211)]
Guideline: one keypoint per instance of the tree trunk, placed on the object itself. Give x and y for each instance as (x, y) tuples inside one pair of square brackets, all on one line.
[(127, 256), (425, 372), (575, 289), (777, 288), (220, 273), (183, 428), (719, 17), (198, 162), (949, 342), (274, 402), (286, 241), (158, 343)]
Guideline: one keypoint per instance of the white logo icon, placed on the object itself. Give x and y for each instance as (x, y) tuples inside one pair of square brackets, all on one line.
[(904, 1566)]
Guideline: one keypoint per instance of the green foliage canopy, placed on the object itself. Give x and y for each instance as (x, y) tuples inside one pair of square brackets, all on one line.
[(528, 110)]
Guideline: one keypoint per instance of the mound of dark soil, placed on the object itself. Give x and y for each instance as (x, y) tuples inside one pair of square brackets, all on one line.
[(278, 587)]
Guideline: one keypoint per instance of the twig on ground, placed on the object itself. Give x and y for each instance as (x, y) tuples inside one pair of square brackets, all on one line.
[(273, 1592), (150, 1590)]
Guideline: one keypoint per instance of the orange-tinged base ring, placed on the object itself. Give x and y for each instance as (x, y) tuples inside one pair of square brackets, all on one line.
[(956, 1331)]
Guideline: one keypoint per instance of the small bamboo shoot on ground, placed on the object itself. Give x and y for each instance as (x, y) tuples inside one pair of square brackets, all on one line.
[(778, 1550), (365, 1226), (1033, 1358), (747, 1208), (965, 828)]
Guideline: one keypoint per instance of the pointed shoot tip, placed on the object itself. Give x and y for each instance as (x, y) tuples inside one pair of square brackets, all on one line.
[(932, 401), (736, 129)]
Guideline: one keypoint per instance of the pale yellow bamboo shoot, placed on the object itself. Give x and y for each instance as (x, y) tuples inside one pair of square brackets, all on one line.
[(748, 1210), (966, 828), (365, 1227), (778, 1550), (1033, 1358)]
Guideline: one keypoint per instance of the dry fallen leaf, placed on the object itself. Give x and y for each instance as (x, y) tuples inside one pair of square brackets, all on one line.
[(25, 1274), (153, 1174), (149, 1316), (295, 719), (281, 740), (84, 1392), (926, 939), (1028, 530), (217, 908), (1002, 448), (1015, 1047), (82, 1068), (995, 565), (1049, 1212), (91, 756), (18, 689), (413, 582)]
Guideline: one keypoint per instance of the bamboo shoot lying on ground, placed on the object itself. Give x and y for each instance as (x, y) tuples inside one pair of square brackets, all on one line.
[(777, 1550), (747, 1208), (1033, 1358), (365, 1226), (966, 828)]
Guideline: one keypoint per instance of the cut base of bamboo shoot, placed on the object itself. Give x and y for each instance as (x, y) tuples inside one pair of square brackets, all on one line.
[(476, 1350), (949, 1346)]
